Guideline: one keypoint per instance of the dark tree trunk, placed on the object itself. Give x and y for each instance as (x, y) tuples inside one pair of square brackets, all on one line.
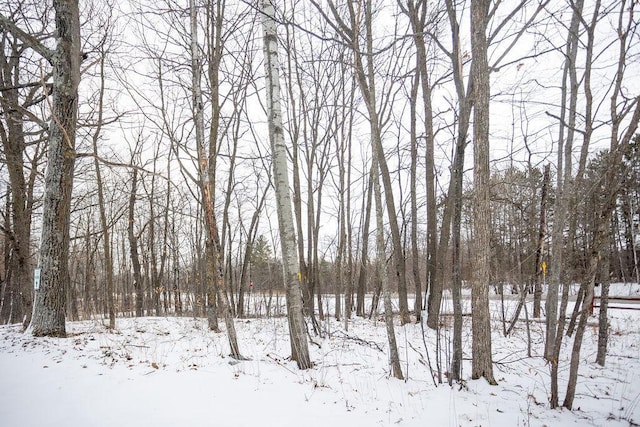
[(18, 287), (540, 272), (603, 320), (362, 276), (481, 326), (49, 311), (133, 247)]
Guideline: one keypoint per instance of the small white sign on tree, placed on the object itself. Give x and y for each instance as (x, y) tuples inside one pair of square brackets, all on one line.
[(36, 278)]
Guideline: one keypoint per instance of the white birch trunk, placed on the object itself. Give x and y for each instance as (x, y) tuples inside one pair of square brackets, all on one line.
[(297, 328)]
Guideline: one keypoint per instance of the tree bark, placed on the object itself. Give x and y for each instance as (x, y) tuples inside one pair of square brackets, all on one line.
[(214, 261), (481, 323), (297, 327), (17, 299), (106, 240), (49, 308), (611, 185), (452, 215), (394, 358), (364, 248), (564, 177), (417, 13), (603, 318), (133, 247), (542, 232)]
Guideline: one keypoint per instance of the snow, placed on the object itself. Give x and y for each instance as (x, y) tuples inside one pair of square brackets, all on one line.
[(175, 372)]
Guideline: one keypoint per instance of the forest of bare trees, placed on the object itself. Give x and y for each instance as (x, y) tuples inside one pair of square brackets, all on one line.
[(374, 158)]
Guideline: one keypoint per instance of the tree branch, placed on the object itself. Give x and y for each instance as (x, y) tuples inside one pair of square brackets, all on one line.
[(10, 26)]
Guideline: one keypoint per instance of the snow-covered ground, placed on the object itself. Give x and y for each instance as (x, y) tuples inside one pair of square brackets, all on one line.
[(175, 372)]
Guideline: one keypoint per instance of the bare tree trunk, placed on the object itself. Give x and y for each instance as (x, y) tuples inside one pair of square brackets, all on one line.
[(482, 365), (415, 254), (562, 200), (611, 184), (542, 232), (365, 77), (175, 270), (417, 13), (366, 80), (297, 328), (452, 215), (214, 261), (133, 247), (603, 319), (394, 358), (348, 99), (307, 282), (106, 240), (362, 276), (17, 300), (48, 314), (342, 237), (154, 277), (248, 253)]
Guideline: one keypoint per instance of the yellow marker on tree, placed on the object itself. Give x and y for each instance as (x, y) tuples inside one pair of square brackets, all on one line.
[(544, 268)]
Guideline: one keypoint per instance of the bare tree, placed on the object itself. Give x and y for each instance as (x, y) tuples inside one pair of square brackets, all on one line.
[(22, 154), (133, 246), (381, 263), (106, 240), (352, 30), (555, 321), (611, 182), (49, 315), (482, 365), (540, 270), (419, 16), (215, 265), (297, 327)]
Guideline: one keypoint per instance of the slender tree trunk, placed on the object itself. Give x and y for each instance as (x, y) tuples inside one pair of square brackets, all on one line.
[(366, 81), (456, 291), (215, 265), (452, 215), (394, 358), (342, 237), (482, 365), (348, 135), (133, 247), (556, 319), (417, 13), (452, 218), (603, 319), (305, 266), (542, 232), (18, 287), (154, 277), (106, 239), (362, 276), (297, 328), (612, 182), (415, 254), (564, 174), (248, 253)]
